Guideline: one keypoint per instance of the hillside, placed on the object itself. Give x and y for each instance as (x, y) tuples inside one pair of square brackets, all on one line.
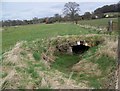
[(108, 8)]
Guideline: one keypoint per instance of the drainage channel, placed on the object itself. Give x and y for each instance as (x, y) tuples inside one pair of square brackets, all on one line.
[(77, 47)]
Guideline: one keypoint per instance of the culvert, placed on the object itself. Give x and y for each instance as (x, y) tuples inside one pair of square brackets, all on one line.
[(74, 44), (80, 48), (76, 47), (77, 43)]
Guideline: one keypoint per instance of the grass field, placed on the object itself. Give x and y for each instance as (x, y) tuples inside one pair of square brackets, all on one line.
[(25, 66), (98, 22), (11, 35)]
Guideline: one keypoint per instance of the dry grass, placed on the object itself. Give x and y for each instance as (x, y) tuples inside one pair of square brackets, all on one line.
[(13, 56), (23, 71), (109, 48), (87, 67)]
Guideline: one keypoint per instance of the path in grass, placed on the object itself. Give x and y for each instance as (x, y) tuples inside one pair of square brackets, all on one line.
[(11, 35)]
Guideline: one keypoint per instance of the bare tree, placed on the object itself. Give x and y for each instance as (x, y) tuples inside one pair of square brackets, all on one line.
[(71, 9)]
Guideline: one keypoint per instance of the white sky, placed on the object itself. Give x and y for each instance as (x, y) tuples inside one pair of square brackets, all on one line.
[(59, 0), (27, 9)]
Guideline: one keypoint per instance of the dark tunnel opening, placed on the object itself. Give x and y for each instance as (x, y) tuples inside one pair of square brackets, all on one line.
[(78, 49)]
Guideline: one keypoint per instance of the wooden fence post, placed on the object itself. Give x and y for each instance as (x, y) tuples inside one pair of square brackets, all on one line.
[(118, 53), (110, 26), (119, 62)]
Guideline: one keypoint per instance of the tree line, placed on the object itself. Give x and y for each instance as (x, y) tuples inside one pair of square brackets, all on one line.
[(108, 8), (71, 13)]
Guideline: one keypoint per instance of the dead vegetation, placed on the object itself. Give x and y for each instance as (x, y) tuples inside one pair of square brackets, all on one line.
[(24, 71), (87, 67)]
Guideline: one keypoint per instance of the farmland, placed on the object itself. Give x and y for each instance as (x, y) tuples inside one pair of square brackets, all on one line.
[(11, 35), (98, 22), (26, 61)]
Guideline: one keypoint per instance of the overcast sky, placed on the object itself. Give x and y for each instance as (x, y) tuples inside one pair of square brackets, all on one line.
[(28, 10)]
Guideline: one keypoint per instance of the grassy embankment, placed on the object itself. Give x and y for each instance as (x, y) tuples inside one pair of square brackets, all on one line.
[(63, 63)]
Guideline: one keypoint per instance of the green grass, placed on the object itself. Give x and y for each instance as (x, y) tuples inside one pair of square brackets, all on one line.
[(105, 62), (30, 70), (36, 56), (92, 80), (11, 35), (98, 22), (94, 83), (3, 74), (64, 62), (90, 53)]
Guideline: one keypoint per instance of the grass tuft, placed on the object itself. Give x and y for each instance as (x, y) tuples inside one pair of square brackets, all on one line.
[(36, 56)]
